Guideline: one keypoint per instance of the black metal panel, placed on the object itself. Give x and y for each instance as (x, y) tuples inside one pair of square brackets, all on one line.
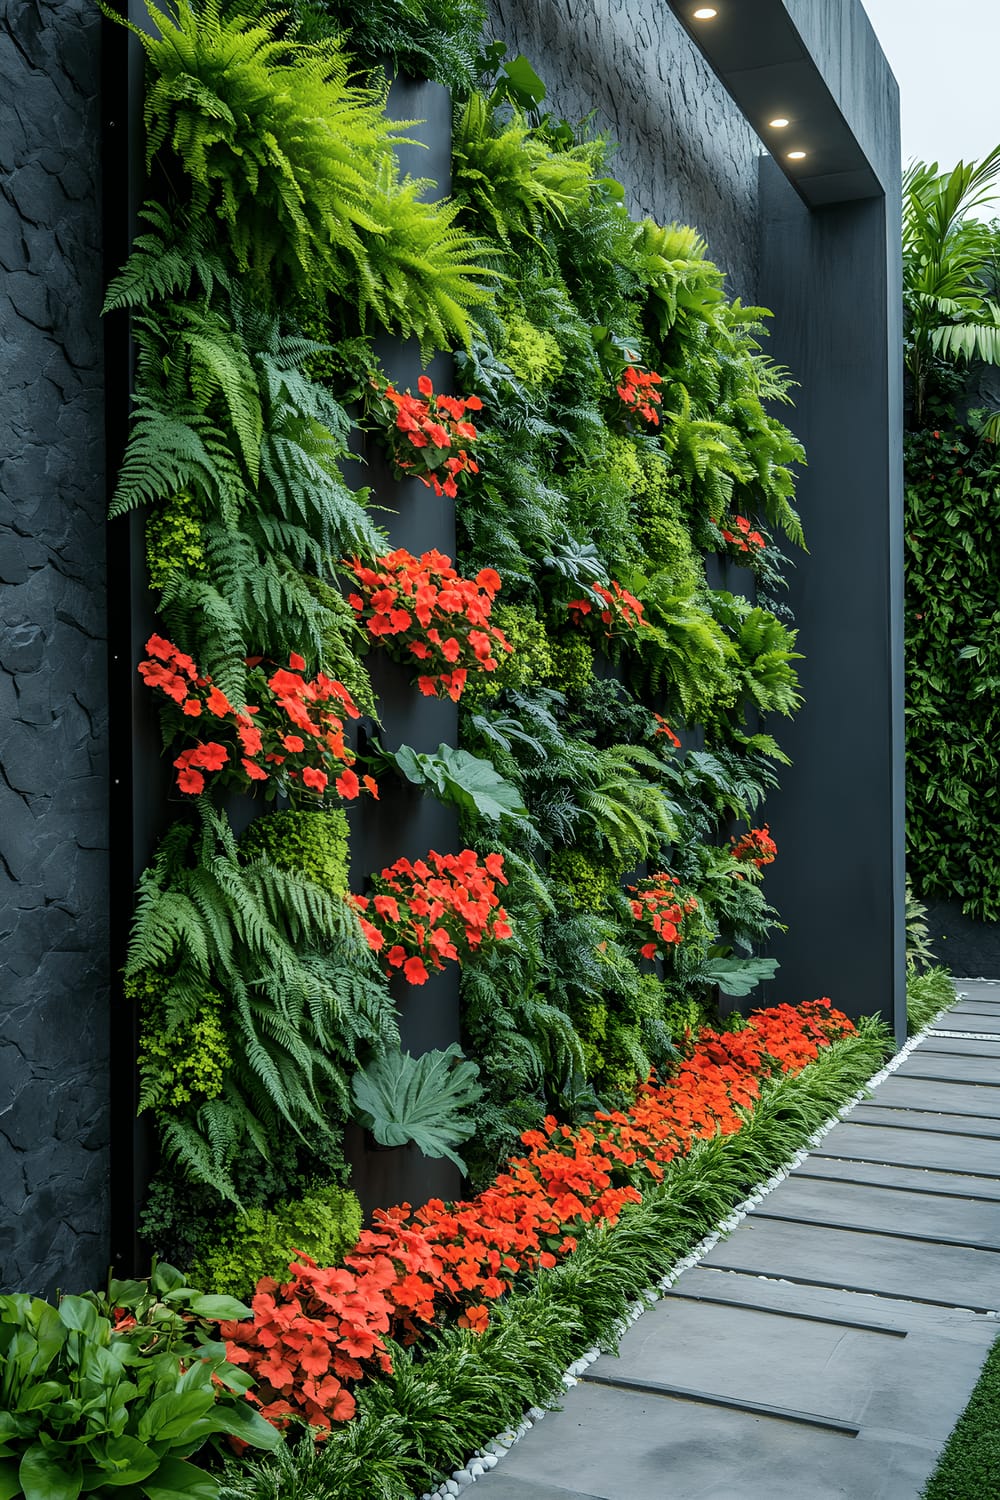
[(406, 822), (832, 278)]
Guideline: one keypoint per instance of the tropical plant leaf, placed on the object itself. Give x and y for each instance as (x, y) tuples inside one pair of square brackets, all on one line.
[(738, 976), (402, 1098)]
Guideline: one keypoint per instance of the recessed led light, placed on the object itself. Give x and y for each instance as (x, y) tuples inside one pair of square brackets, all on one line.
[(705, 13), (779, 123), (796, 155)]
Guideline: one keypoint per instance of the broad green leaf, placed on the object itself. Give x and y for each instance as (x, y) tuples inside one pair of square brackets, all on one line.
[(467, 781), (121, 1460), (78, 1314), (10, 1484), (50, 1474), (238, 1419), (170, 1417), (524, 82), (738, 976), (402, 1098), (43, 1394), (219, 1309), (177, 1480)]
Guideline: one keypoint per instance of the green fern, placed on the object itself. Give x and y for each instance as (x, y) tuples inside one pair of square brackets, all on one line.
[(298, 166), (304, 999), (510, 178)]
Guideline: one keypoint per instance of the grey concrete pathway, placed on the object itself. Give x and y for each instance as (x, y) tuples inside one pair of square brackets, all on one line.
[(826, 1348)]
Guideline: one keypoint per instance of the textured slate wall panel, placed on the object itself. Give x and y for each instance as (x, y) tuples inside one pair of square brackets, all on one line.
[(53, 786), (685, 152)]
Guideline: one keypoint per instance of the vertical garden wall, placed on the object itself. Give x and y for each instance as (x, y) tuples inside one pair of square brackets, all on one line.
[(287, 360)]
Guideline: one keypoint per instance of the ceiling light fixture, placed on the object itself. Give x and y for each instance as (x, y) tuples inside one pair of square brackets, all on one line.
[(779, 123), (705, 13), (796, 155)]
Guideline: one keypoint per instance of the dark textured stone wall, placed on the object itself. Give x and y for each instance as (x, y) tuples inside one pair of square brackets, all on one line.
[(684, 150), (53, 777)]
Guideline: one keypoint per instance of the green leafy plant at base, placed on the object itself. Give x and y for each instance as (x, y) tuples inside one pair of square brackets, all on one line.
[(927, 994), (969, 1465), (459, 1390), (323, 1223), (420, 1099), (88, 1404)]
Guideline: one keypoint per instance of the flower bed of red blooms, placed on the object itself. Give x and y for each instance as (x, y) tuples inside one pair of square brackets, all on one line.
[(433, 433), (312, 1340), (429, 615), (424, 912), (293, 735)]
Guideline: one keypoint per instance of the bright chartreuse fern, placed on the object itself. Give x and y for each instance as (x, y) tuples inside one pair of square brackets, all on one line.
[(297, 164)]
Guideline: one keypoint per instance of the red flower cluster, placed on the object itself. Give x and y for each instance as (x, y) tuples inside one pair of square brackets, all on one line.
[(659, 910), (422, 609), (435, 428), (325, 1328), (637, 390), (756, 847), (744, 539), (664, 728), (422, 914), (618, 610), (293, 738)]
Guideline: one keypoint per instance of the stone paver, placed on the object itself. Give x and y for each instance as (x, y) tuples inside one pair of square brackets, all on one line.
[(889, 1209), (824, 1350), (912, 1148), (915, 1178), (946, 1123)]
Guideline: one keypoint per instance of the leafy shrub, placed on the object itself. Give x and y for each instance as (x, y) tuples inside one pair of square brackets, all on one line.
[(323, 1223), (187, 1060), (303, 998), (435, 39), (297, 164), (94, 1401)]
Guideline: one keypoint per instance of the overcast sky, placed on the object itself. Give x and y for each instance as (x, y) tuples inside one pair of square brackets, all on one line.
[(946, 58)]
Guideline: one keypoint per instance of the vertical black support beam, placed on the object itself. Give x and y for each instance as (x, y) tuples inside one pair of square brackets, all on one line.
[(406, 822), (833, 280), (138, 771)]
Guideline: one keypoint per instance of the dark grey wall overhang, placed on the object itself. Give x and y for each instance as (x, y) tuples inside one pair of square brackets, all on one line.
[(773, 71)]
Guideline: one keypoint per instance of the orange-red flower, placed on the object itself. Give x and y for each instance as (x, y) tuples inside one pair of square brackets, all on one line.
[(293, 737), (420, 607)]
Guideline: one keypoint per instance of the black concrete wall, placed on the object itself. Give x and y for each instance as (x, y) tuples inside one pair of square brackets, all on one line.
[(685, 152), (53, 780), (833, 278)]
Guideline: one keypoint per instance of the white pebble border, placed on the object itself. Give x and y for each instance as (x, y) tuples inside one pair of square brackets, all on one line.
[(488, 1457)]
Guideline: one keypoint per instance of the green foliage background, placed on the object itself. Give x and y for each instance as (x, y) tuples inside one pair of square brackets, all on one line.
[(953, 667)]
